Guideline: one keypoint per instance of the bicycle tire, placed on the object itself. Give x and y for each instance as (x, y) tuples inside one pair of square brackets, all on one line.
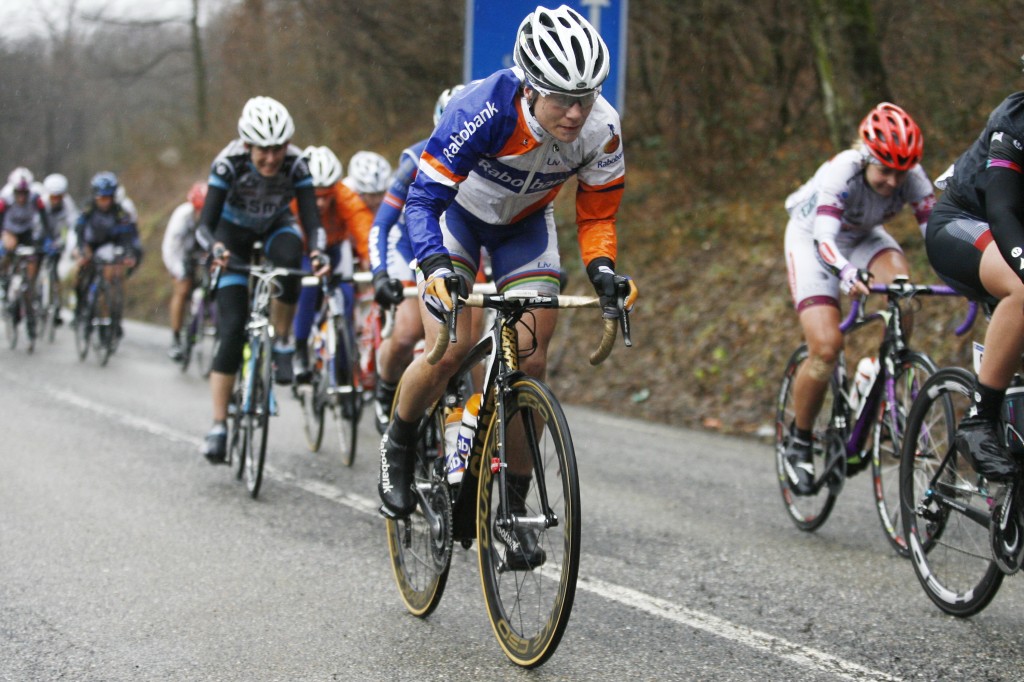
[(909, 376), (53, 309), (347, 406), (207, 340), (83, 329), (257, 419), (235, 445), (312, 399), (10, 313), (188, 324), (44, 315), (103, 339), (951, 553), (529, 609), (808, 512), (420, 558)]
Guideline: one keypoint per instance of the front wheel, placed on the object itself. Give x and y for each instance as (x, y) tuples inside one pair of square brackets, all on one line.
[(808, 512), (528, 531), (908, 377), (256, 421), (420, 546), (945, 502)]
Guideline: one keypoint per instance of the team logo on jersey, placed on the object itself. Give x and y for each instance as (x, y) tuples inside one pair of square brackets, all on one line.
[(612, 144), (1016, 252), (221, 168)]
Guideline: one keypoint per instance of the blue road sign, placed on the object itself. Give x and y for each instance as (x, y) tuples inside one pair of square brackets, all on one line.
[(491, 33)]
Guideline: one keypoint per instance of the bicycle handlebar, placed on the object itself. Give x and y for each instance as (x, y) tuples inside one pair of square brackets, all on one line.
[(528, 299), (905, 290)]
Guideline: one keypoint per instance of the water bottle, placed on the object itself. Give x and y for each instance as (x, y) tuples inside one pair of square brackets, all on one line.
[(459, 456), (863, 379), (452, 422)]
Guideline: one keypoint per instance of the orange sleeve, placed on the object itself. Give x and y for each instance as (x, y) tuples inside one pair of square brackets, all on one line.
[(596, 207), (357, 216)]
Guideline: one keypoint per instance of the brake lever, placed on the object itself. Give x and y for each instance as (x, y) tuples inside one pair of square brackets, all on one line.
[(624, 322)]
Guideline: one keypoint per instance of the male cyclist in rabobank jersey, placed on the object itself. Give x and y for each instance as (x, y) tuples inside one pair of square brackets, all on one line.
[(251, 185), (487, 178)]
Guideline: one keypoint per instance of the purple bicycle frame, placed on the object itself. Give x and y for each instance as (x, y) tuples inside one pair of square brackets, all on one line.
[(854, 320)]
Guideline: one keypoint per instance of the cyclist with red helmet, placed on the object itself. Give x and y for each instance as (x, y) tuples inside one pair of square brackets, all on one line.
[(181, 253), (836, 241), (975, 242)]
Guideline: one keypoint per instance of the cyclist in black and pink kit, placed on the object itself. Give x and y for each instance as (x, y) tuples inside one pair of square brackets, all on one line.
[(252, 182), (975, 242), (835, 240)]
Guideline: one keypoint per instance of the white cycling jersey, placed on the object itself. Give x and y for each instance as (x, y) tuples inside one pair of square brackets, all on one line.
[(179, 239)]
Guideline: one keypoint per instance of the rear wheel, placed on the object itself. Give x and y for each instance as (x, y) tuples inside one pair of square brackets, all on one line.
[(909, 376), (808, 512), (312, 399), (205, 341), (529, 538), (946, 503), (421, 551)]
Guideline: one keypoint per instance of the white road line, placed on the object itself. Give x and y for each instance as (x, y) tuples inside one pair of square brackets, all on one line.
[(808, 657)]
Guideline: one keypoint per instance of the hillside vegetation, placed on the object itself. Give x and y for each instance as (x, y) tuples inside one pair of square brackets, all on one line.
[(730, 105)]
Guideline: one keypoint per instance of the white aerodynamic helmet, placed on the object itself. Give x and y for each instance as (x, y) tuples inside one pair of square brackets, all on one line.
[(265, 122), (369, 172), (324, 166), (560, 51), (21, 179), (443, 99), (55, 183)]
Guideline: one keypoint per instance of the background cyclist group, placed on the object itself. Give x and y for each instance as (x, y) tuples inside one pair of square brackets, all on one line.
[(482, 185)]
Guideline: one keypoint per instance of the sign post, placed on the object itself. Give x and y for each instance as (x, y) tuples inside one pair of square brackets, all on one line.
[(491, 27)]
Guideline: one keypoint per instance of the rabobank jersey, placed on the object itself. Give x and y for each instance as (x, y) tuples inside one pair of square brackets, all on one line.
[(253, 201), (491, 155), (391, 211)]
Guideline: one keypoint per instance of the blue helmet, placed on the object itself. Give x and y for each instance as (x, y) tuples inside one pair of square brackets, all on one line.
[(104, 184)]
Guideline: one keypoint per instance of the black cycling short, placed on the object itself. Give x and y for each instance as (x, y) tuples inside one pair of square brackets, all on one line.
[(955, 242), (282, 246)]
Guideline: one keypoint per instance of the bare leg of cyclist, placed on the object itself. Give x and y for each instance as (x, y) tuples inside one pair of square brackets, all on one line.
[(533, 361), (820, 324), (1004, 338), (221, 385)]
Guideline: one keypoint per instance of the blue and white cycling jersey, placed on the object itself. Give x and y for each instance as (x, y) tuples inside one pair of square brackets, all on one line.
[(491, 156)]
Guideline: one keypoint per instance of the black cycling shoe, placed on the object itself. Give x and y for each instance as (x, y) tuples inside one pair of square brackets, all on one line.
[(798, 465), (522, 550), (396, 479), (977, 439), (215, 447), (282, 359), (383, 399), (300, 364)]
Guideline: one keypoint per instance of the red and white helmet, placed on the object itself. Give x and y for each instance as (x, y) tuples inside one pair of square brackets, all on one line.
[(560, 51), (265, 122), (21, 179), (197, 195), (892, 137), (324, 166)]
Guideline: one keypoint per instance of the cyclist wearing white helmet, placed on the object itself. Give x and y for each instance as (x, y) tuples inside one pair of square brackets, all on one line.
[(23, 221), (346, 221), (62, 213), (487, 178), (390, 257), (369, 174), (251, 185)]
